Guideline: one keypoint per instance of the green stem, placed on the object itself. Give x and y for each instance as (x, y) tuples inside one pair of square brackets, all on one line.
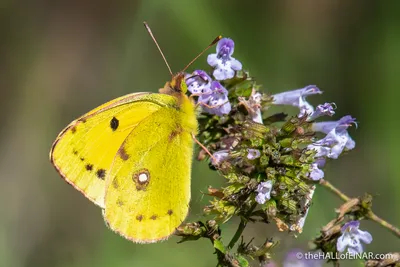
[(370, 215), (242, 225), (373, 217), (238, 233), (334, 190)]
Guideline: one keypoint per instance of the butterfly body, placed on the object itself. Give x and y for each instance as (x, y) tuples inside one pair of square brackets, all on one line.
[(132, 157)]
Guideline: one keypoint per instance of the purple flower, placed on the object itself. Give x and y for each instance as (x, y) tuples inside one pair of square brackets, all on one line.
[(340, 125), (216, 100), (316, 173), (323, 110), (199, 82), (264, 192), (351, 238), (297, 98), (253, 154), (219, 156), (336, 140), (225, 65)]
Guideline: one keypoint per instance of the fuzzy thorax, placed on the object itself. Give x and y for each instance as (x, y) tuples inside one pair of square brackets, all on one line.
[(177, 88)]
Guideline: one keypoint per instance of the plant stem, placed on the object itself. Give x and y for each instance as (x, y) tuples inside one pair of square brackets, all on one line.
[(238, 233), (242, 225), (370, 215), (334, 190)]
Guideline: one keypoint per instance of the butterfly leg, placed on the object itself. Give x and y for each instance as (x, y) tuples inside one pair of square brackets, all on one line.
[(204, 104), (203, 147), (210, 107)]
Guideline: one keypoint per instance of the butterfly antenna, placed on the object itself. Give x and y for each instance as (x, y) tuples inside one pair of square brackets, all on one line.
[(202, 52), (159, 49)]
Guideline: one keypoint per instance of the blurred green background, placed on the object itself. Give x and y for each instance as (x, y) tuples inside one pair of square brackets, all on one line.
[(59, 59)]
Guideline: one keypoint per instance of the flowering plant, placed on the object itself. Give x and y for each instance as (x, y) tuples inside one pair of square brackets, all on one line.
[(272, 163)]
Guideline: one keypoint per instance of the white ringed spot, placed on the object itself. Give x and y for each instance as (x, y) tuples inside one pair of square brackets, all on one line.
[(141, 178)]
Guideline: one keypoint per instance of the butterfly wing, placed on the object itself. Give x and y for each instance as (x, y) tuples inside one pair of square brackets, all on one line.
[(84, 151), (148, 190)]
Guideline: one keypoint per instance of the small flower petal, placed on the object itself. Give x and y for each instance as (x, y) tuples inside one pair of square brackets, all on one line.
[(365, 237), (350, 144), (337, 149), (320, 162), (342, 243), (316, 174), (253, 153), (322, 110), (199, 82), (235, 64), (219, 156), (264, 192), (351, 225), (261, 199), (225, 48)]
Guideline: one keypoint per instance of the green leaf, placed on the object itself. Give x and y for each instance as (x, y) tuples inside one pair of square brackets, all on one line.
[(244, 88), (219, 245), (242, 261), (233, 188)]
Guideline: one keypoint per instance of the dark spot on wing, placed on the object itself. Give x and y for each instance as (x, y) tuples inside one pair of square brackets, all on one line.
[(170, 212), (89, 167), (122, 153), (153, 217), (75, 152), (139, 218), (101, 173), (82, 158), (174, 133), (114, 123), (120, 203), (115, 183), (73, 129)]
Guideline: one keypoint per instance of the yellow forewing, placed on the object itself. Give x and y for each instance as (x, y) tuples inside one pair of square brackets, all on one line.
[(84, 151), (148, 188)]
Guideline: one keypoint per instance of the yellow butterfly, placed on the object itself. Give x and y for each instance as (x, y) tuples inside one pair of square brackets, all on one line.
[(132, 157)]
